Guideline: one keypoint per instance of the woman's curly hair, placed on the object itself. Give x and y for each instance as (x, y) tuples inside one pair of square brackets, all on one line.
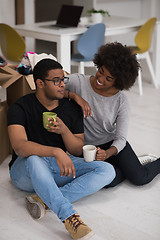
[(120, 62)]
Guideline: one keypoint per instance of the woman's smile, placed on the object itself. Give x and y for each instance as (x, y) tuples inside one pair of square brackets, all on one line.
[(98, 82)]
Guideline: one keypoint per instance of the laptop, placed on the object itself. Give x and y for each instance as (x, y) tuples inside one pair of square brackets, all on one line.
[(69, 16)]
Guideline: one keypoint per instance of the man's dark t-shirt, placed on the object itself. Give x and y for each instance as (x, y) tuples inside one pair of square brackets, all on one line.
[(28, 112)]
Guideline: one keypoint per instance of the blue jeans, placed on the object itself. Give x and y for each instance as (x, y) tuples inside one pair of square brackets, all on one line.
[(42, 175)]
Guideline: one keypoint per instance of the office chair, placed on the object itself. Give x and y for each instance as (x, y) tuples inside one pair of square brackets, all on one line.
[(87, 46), (143, 41), (12, 44)]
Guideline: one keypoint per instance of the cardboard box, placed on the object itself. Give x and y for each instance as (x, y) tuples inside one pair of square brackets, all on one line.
[(16, 84), (4, 140)]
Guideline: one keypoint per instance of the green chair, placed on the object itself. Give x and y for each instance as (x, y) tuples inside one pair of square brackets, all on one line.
[(143, 40), (12, 44)]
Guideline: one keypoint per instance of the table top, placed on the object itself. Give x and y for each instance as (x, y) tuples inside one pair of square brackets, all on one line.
[(113, 24)]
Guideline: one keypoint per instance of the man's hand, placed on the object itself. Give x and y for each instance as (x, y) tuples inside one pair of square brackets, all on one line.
[(57, 127), (65, 164), (73, 142)]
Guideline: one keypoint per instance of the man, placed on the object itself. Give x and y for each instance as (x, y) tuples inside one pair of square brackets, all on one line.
[(40, 163)]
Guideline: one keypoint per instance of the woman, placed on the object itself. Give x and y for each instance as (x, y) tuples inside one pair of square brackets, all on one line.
[(106, 112)]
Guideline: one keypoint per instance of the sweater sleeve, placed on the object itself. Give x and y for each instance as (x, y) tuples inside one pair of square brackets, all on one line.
[(122, 123), (75, 83)]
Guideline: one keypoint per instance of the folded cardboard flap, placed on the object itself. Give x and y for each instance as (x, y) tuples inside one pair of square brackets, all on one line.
[(30, 81), (18, 89), (17, 85), (9, 76), (4, 140)]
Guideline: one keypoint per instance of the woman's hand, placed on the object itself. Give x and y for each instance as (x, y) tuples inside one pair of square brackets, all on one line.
[(80, 101), (101, 154), (84, 105)]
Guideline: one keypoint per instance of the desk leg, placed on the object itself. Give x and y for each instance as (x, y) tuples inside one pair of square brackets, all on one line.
[(64, 52), (156, 53)]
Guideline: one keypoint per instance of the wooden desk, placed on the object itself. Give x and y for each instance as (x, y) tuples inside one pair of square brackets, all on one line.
[(64, 37)]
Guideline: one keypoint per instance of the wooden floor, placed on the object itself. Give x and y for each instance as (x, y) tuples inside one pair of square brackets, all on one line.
[(125, 212)]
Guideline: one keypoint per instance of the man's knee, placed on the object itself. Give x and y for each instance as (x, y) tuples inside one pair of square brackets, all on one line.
[(33, 162), (108, 171), (33, 159)]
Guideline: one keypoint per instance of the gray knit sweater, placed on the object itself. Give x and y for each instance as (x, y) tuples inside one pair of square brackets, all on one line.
[(110, 115)]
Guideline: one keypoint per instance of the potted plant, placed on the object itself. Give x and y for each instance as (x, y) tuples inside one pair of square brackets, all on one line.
[(97, 15)]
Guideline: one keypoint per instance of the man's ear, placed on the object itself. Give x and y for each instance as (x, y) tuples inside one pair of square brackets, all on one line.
[(40, 83)]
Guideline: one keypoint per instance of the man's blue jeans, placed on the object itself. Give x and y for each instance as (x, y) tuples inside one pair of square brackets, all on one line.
[(42, 175)]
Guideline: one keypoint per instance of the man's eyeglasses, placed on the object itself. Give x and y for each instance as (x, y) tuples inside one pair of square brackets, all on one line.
[(57, 81)]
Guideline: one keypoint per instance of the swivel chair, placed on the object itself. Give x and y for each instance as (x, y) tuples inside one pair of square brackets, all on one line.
[(88, 45), (12, 44), (143, 41)]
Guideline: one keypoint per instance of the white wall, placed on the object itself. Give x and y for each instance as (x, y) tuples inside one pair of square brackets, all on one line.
[(88, 4), (155, 9), (127, 8), (29, 15), (7, 11), (142, 9), (7, 15)]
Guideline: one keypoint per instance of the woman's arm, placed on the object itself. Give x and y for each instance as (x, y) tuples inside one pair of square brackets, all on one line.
[(119, 141), (80, 101)]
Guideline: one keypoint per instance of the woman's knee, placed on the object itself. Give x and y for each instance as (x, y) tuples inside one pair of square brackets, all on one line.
[(138, 180)]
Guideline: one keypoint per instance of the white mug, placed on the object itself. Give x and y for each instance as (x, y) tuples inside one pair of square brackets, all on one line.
[(89, 153)]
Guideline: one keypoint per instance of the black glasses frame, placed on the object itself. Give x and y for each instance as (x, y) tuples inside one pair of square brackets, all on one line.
[(57, 81)]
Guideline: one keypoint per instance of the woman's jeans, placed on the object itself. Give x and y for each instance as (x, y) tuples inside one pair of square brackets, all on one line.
[(42, 175)]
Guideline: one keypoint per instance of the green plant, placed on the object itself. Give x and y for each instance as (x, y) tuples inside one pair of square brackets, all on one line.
[(93, 10)]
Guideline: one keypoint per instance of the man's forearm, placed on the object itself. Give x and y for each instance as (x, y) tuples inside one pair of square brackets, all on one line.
[(73, 143), (27, 148)]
